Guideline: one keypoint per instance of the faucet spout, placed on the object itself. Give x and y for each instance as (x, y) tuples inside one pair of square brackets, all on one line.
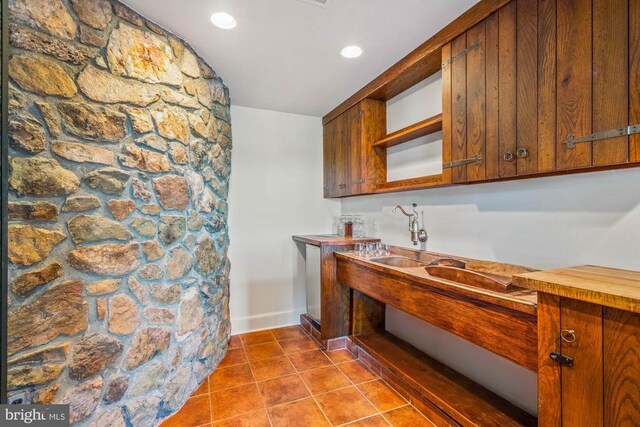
[(417, 234)]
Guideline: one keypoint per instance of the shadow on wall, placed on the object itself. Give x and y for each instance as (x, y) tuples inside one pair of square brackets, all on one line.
[(120, 147), (544, 222)]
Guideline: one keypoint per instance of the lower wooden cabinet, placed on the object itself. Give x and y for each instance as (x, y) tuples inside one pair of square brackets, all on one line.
[(589, 364)]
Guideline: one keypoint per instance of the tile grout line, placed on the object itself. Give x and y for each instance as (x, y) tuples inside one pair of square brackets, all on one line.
[(264, 405)]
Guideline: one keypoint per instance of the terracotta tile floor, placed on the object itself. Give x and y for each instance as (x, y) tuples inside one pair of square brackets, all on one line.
[(281, 378)]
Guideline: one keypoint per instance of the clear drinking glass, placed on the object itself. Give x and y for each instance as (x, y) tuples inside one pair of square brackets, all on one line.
[(360, 249), (371, 250)]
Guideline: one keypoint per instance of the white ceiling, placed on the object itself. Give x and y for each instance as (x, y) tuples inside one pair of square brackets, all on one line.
[(284, 55)]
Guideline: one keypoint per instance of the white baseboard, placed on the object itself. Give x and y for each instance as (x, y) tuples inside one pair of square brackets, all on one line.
[(240, 325)]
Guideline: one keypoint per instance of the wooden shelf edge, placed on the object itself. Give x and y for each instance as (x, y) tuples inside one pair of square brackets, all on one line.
[(422, 128), (473, 404), (412, 184)]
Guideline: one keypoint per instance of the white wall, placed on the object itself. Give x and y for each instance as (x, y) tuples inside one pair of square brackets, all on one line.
[(276, 191), (550, 222)]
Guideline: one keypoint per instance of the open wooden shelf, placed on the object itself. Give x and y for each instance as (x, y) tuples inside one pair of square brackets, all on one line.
[(422, 128), (411, 184), (466, 402)]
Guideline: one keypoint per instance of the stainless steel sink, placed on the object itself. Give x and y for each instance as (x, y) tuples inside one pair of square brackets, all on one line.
[(398, 261)]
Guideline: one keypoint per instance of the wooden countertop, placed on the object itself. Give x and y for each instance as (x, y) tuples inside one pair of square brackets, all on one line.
[(332, 240), (610, 287)]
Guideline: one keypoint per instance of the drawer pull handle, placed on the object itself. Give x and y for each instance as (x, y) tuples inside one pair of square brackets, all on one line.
[(508, 156), (522, 153), (568, 335), (476, 160)]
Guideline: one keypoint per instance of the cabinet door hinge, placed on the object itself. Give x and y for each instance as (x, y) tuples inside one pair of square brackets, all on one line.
[(460, 54), (561, 359)]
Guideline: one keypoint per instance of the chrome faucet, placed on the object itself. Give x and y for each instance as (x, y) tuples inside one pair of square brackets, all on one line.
[(417, 233)]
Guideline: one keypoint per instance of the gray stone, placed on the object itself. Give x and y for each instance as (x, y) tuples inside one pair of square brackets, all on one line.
[(83, 399), (207, 258), (107, 180), (203, 198), (191, 312), (39, 176), (94, 228), (166, 294), (150, 378), (150, 209), (116, 388), (144, 409), (195, 221), (178, 387), (110, 417), (26, 134)]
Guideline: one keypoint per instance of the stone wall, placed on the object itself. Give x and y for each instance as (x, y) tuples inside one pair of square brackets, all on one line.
[(120, 142)]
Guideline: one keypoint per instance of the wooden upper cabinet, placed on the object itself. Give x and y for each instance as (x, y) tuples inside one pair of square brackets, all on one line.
[(352, 165)]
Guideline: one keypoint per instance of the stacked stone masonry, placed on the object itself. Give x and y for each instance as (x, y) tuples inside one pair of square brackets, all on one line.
[(120, 149)]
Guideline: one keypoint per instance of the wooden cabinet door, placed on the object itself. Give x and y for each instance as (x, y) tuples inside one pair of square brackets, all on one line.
[(329, 158), (354, 154)]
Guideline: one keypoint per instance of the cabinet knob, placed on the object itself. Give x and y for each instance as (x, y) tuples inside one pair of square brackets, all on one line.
[(508, 156), (568, 335), (522, 153)]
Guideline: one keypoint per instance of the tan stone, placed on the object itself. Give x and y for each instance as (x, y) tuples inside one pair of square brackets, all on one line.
[(171, 122), (176, 98), (110, 417), (179, 263), (22, 376), (42, 76), (159, 315), (139, 158), (200, 88), (32, 211), (92, 354), (50, 116), (140, 120), (94, 123), (26, 134), (127, 14), (166, 294), (123, 315), (146, 344), (80, 204), (205, 70), (28, 39), (178, 153), (95, 13), (91, 37), (144, 226), (142, 55), (153, 141), (142, 409), (109, 259), (94, 228), (46, 395), (176, 46), (28, 245), (83, 153), (198, 125), (52, 16), (59, 310), (137, 290), (172, 191), (120, 209), (53, 353), (101, 308), (171, 228), (190, 64), (27, 282), (103, 86), (107, 180), (39, 176), (153, 250), (83, 399), (150, 209), (191, 312), (151, 272), (104, 286)]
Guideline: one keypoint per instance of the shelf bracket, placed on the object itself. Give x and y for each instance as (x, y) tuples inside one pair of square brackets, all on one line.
[(451, 60), (476, 160), (571, 140)]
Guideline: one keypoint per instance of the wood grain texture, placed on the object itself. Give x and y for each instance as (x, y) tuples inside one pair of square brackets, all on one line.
[(352, 144), (574, 64), (507, 89), (610, 79), (527, 84), (411, 184), (465, 401), (332, 240), (582, 384), (621, 368), (459, 109), (549, 371), (422, 128), (419, 64), (492, 134), (610, 287), (546, 85), (634, 76), (329, 137), (367, 314), (335, 299), (472, 319), (447, 126), (476, 102), (374, 160)]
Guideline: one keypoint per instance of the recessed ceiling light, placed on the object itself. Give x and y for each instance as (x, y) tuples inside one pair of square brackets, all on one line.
[(351, 52), (223, 20)]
